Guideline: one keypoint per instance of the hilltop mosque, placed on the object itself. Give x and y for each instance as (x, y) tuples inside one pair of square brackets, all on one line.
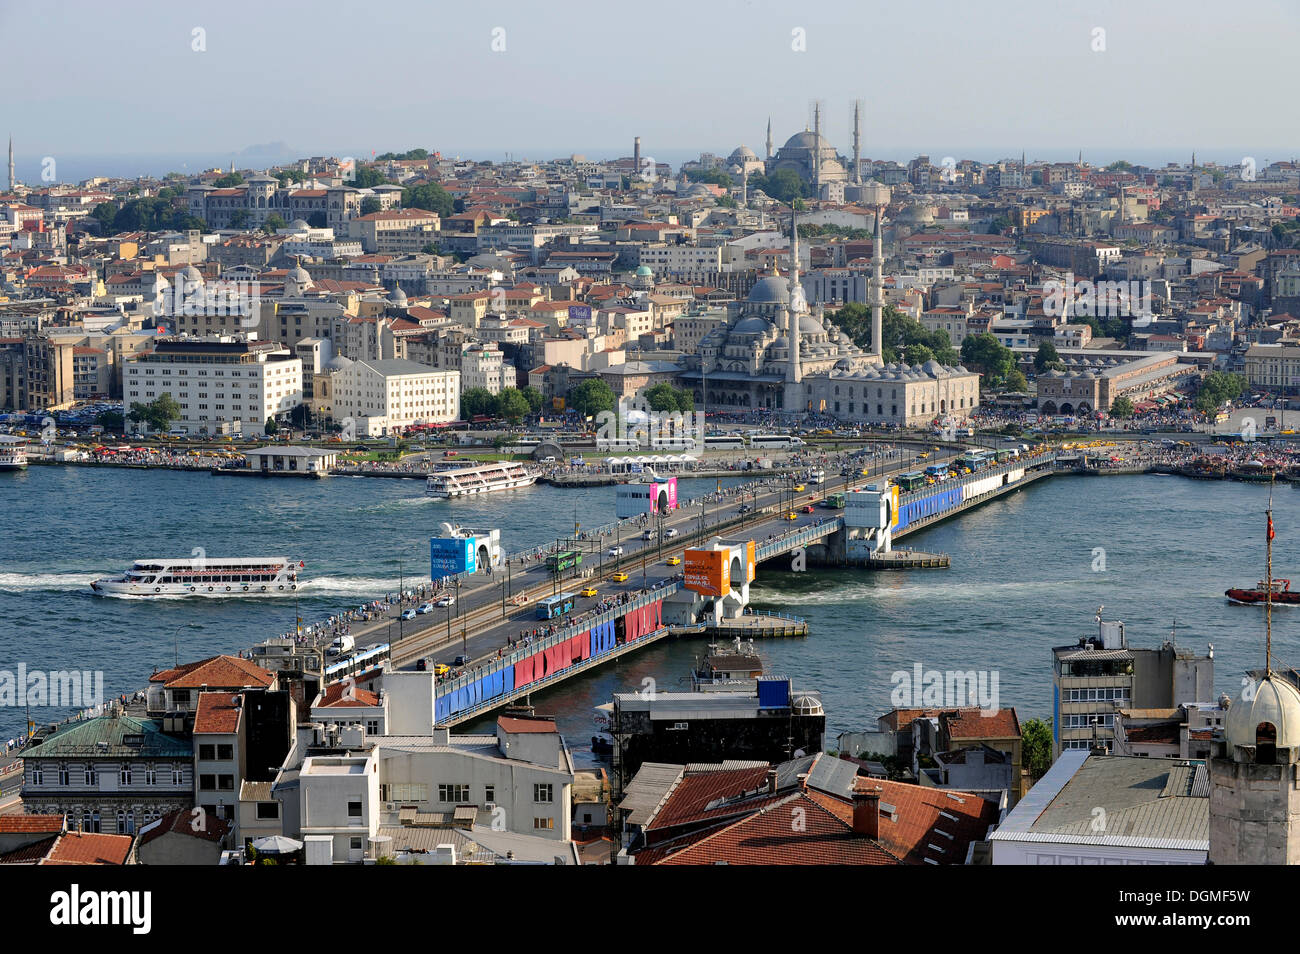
[(774, 354)]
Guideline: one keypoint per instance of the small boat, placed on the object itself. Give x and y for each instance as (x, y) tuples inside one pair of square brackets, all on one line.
[(1282, 594), (602, 743)]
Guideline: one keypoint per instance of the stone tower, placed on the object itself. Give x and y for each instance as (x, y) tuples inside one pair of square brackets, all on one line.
[(1254, 785)]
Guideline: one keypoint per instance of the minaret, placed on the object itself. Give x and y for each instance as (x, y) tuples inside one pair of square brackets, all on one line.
[(1191, 191), (12, 181), (857, 142), (796, 307), (878, 291), (744, 186), (769, 138), (817, 146)]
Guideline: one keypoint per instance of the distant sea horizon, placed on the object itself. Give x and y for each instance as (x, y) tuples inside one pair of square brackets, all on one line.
[(72, 168)]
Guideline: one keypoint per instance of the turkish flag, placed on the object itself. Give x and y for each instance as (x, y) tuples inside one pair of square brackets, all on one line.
[(1270, 527)]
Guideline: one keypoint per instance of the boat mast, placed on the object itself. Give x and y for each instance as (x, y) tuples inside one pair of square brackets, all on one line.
[(1268, 591)]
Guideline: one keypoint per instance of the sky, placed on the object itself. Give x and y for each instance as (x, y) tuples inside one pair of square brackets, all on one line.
[(981, 80)]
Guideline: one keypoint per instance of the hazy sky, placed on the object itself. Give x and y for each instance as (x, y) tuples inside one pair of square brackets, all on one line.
[(977, 79)]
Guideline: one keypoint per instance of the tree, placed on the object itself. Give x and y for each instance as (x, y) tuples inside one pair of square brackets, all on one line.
[(1121, 407), (417, 153), (1036, 747), (662, 397), (993, 359), (1016, 380), (591, 397), (714, 176), (431, 197), (533, 397), (512, 405), (431, 248), (1218, 387), (273, 222), (899, 332), (477, 401), (917, 354), (318, 220), (158, 413), (784, 185), (369, 205), (272, 426), (1046, 357), (238, 218), (299, 415), (1000, 224), (229, 181), (366, 177), (111, 420)]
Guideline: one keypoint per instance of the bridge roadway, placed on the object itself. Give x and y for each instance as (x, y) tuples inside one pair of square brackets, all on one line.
[(484, 627)]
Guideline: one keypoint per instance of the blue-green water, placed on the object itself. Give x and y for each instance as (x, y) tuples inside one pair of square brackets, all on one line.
[(1022, 578)]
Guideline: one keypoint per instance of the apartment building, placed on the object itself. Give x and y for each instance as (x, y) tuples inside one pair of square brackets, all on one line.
[(383, 396)]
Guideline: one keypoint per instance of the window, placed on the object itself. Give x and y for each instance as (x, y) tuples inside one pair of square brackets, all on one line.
[(151, 774), (225, 783), (207, 753), (268, 809), (489, 793), (543, 824), (372, 727), (453, 793), (124, 774), (207, 783), (89, 774), (355, 844), (354, 809), (178, 774), (543, 793), (38, 774), (225, 752)]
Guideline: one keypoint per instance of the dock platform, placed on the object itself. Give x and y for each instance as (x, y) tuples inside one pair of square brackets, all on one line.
[(908, 560)]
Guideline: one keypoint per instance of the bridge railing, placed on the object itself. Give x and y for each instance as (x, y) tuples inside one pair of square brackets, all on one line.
[(1018, 463), (793, 538), (565, 632)]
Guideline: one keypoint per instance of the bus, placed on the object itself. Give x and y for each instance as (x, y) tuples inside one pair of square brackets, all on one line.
[(673, 443), (362, 661), (834, 501), (937, 471), (775, 441), (724, 442), (1007, 454), (971, 462), (913, 481), (559, 562), (617, 444), (554, 606)]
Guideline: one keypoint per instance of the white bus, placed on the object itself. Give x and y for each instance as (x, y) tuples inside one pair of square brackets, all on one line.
[(724, 442), (617, 444), (673, 443), (774, 441)]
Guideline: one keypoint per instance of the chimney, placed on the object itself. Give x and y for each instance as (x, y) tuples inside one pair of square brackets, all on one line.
[(866, 813), (771, 781)]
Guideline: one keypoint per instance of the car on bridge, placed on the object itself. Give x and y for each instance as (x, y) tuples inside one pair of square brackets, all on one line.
[(424, 608), (808, 509), (799, 488), (408, 614), (587, 591), (619, 577), (792, 516), (615, 552), (461, 660), (447, 600), (674, 561), (670, 533)]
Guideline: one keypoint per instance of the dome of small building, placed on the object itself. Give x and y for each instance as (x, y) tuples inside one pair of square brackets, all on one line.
[(299, 225), (1274, 701), (338, 363), (297, 282), (769, 290), (806, 705), (808, 325), (742, 153), (645, 271), (398, 297), (190, 275), (752, 325)]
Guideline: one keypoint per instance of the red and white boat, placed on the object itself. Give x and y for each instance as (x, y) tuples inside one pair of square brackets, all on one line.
[(1282, 594), (248, 576)]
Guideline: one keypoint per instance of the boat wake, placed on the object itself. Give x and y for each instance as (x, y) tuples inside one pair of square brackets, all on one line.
[(38, 582)]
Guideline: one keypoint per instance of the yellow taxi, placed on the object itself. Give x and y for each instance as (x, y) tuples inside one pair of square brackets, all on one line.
[(792, 516), (587, 591), (798, 488), (619, 577), (441, 669), (674, 561), (864, 472), (925, 456)]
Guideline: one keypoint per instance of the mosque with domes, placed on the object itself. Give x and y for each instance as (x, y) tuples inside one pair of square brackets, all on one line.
[(775, 354)]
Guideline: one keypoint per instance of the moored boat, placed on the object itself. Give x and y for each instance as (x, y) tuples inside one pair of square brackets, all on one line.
[(13, 452)]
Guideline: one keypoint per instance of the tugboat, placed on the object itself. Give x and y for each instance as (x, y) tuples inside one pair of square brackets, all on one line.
[(1282, 594)]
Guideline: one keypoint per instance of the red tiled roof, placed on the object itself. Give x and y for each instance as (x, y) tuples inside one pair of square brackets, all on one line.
[(86, 848), (215, 672), (12, 824), (333, 697), (29, 854), (217, 713), (979, 724), (183, 822), (689, 801), (925, 817), (509, 724)]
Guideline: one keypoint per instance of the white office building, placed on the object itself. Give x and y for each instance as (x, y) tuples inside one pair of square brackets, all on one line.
[(384, 396), (223, 385)]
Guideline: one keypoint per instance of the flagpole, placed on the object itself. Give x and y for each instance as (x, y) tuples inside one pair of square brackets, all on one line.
[(1268, 592)]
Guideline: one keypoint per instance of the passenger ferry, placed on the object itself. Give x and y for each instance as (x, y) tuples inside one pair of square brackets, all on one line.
[(13, 452), (484, 478), (248, 576)]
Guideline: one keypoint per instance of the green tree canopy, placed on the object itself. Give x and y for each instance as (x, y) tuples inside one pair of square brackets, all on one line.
[(1016, 380), (533, 397), (1218, 387), (1036, 746), (476, 401), (993, 359), (431, 197), (409, 154), (1046, 357), (591, 397), (271, 426), (366, 177), (369, 205), (158, 413), (229, 181), (899, 331), (273, 222), (512, 405), (784, 185)]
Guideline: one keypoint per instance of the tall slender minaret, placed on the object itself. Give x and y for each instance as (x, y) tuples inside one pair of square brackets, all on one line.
[(796, 307), (1192, 190), (769, 138), (857, 142), (878, 291), (11, 163), (817, 145), (744, 186)]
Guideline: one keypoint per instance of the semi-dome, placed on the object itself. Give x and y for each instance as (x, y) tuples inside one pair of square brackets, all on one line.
[(752, 325), (768, 291), (1274, 701)]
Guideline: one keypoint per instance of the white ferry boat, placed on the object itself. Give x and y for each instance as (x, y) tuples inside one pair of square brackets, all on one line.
[(13, 452), (480, 479), (248, 576)]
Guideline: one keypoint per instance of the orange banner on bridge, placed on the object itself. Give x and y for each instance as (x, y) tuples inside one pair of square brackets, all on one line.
[(708, 572)]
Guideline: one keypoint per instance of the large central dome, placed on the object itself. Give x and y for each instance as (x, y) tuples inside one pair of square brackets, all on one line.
[(769, 290)]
